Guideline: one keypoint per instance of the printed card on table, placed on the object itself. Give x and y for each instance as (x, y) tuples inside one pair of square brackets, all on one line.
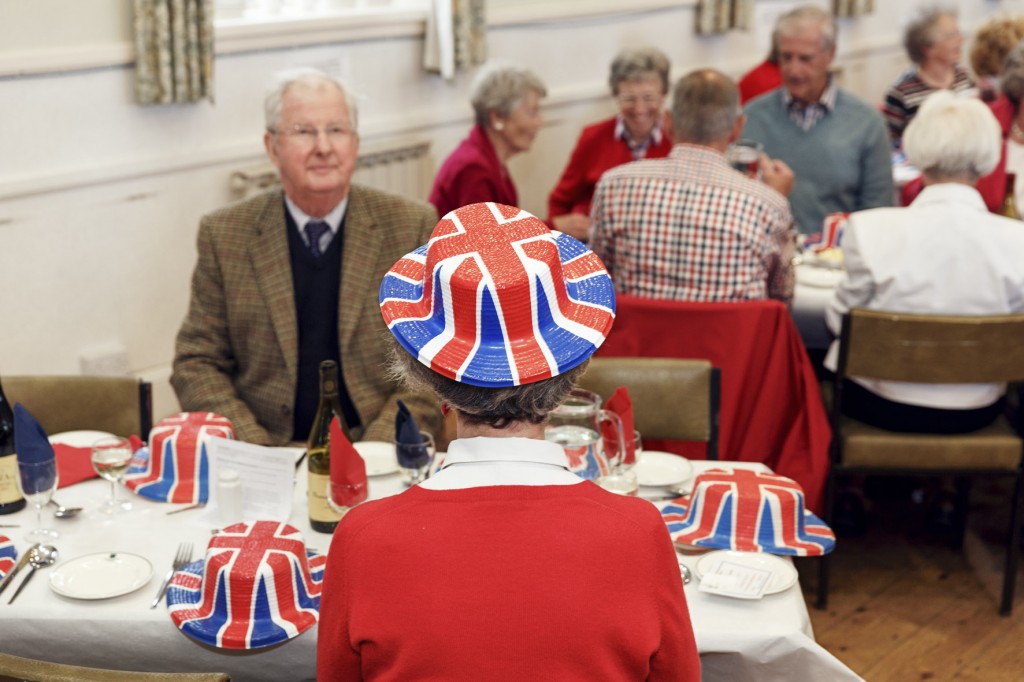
[(732, 579), (266, 476)]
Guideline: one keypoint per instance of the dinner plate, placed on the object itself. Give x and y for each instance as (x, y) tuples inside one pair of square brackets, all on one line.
[(101, 576), (79, 439), (784, 574), (655, 468), (379, 456), (815, 276)]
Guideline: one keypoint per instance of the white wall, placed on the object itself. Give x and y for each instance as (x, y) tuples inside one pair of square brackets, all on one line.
[(100, 198)]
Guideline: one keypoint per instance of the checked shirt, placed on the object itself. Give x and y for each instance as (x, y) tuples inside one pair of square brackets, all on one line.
[(690, 228)]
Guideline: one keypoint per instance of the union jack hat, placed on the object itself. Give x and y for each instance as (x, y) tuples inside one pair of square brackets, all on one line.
[(748, 511), (257, 586), (497, 299), (7, 555), (175, 467), (831, 235)]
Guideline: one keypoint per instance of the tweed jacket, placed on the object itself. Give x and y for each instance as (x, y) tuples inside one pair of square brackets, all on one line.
[(237, 350)]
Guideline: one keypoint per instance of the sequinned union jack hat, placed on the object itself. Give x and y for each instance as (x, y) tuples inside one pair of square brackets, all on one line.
[(748, 511), (257, 586), (7, 555), (497, 299)]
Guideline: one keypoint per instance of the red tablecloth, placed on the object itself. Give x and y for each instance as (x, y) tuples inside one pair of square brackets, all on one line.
[(771, 408)]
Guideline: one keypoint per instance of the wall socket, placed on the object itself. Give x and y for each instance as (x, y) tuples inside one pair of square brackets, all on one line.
[(106, 360)]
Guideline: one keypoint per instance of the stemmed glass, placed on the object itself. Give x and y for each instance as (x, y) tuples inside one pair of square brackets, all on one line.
[(110, 458), (414, 459), (38, 480)]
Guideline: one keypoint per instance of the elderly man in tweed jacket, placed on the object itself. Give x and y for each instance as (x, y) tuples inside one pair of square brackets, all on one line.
[(289, 278)]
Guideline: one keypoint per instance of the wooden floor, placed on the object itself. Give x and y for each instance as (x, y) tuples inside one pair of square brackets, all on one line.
[(904, 606)]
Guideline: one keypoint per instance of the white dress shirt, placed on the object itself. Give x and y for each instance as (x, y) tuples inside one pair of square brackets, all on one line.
[(333, 220), (945, 254), (480, 461)]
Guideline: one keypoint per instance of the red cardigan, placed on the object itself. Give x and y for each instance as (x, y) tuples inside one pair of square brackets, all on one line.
[(763, 78), (497, 583), (472, 173), (596, 151)]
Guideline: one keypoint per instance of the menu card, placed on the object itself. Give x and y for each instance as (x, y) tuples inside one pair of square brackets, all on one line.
[(731, 579), (266, 476)]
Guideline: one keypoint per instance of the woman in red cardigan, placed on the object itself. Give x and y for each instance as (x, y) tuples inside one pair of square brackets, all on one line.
[(504, 565), (639, 81), (506, 101)]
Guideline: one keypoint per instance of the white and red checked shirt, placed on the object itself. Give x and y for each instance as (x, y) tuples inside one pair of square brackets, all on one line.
[(690, 228)]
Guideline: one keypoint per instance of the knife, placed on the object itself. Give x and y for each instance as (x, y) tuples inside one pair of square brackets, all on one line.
[(21, 562)]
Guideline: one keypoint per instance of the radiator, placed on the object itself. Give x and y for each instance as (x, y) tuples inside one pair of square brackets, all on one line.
[(403, 167)]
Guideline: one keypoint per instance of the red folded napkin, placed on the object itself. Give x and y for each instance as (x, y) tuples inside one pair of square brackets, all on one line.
[(348, 470), (620, 404), (74, 465)]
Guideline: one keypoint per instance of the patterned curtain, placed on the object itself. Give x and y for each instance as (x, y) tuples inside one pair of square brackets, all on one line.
[(719, 16), (853, 8), (456, 36), (174, 51)]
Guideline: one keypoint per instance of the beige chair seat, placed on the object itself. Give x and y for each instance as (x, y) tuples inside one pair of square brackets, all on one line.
[(16, 668)]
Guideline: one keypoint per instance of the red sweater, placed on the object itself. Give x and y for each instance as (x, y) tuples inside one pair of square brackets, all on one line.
[(596, 151), (472, 173), (763, 78), (504, 583)]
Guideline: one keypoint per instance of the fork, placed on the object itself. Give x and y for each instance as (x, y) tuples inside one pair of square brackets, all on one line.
[(181, 559)]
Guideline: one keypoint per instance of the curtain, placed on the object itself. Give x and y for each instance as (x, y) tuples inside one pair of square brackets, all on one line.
[(174, 51), (853, 8), (456, 36), (718, 16)]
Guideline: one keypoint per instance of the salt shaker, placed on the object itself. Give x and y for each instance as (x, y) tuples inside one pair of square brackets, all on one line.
[(229, 496)]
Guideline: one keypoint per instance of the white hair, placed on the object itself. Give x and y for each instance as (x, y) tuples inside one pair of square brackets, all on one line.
[(953, 137), (282, 80)]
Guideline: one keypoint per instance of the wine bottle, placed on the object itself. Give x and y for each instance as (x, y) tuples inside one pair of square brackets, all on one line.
[(10, 494), (1009, 206), (322, 517)]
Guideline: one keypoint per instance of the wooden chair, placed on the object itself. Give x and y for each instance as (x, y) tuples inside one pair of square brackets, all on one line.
[(120, 405), (929, 349), (16, 668), (673, 399)]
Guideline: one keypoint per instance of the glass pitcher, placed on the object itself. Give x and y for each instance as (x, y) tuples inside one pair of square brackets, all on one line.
[(576, 426)]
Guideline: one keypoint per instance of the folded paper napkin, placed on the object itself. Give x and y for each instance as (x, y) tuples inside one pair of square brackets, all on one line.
[(621, 404), (33, 447), (406, 431), (348, 470), (74, 464)]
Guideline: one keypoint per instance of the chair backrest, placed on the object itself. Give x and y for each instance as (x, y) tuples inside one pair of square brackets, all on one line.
[(673, 398), (17, 668), (943, 349), (120, 405)]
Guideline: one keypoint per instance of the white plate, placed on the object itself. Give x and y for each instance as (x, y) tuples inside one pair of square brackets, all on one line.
[(79, 439), (101, 576), (784, 574), (662, 468), (379, 456), (813, 276)]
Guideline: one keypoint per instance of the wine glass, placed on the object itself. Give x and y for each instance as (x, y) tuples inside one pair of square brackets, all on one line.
[(110, 458), (37, 481), (414, 459)]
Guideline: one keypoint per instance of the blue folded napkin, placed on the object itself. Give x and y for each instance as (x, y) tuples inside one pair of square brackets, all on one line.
[(408, 433), (33, 447)]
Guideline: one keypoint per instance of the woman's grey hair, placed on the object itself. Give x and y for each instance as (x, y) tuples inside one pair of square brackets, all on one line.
[(1012, 81), (283, 80), (953, 138), (498, 87), (637, 64), (796, 21), (494, 407), (920, 33), (705, 105)]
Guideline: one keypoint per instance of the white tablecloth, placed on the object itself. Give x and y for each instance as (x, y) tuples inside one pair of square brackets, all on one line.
[(813, 291), (770, 639)]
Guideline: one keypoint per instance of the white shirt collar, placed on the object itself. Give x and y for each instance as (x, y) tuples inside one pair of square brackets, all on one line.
[(480, 461), (333, 219)]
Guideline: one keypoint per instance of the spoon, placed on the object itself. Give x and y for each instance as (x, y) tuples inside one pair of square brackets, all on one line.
[(39, 556), (64, 512)]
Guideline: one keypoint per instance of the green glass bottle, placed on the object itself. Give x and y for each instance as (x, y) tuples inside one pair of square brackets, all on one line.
[(322, 517)]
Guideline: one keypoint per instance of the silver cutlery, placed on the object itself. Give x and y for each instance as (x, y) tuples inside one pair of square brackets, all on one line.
[(63, 512), (198, 505), (39, 556), (17, 567), (182, 558)]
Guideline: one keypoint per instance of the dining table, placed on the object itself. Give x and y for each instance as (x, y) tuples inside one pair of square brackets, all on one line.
[(738, 639), (815, 285)]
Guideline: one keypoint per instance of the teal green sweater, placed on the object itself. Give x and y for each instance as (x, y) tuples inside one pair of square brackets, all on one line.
[(841, 164)]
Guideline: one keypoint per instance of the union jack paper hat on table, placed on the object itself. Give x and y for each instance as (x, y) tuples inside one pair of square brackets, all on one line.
[(7, 555), (748, 511), (175, 468), (257, 586), (831, 235), (497, 299)]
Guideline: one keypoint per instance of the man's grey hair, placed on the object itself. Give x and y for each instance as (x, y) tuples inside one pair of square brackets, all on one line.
[(920, 33), (637, 64), (1012, 80), (796, 21), (494, 407), (705, 105), (953, 138), (498, 87), (282, 80)]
